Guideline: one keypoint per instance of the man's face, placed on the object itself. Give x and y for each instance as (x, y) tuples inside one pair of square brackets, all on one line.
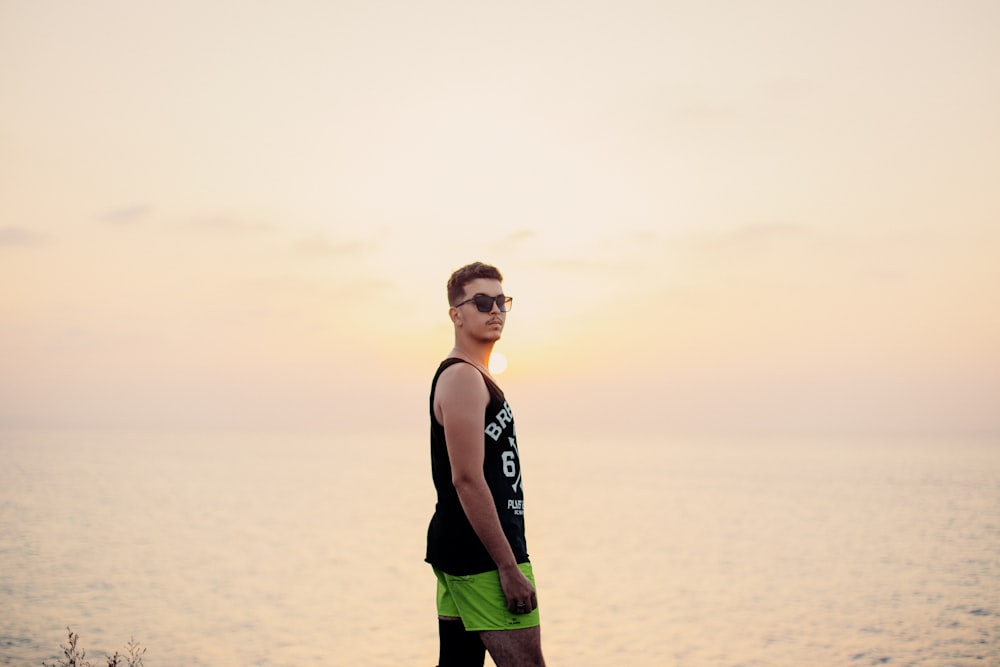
[(482, 326)]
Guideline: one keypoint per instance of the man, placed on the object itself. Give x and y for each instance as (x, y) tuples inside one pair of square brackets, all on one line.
[(475, 542)]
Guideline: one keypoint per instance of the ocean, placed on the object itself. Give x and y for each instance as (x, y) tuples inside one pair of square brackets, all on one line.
[(305, 549)]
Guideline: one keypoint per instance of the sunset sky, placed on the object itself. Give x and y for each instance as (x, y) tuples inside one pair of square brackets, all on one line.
[(712, 216)]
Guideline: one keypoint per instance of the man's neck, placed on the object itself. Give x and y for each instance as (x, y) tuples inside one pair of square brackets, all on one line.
[(478, 355)]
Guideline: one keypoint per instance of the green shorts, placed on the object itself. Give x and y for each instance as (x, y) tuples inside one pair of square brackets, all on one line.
[(478, 600)]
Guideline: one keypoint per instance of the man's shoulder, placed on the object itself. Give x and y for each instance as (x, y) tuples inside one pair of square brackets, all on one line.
[(460, 372), (462, 382)]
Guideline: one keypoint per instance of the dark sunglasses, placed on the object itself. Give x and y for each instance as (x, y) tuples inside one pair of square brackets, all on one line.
[(484, 302)]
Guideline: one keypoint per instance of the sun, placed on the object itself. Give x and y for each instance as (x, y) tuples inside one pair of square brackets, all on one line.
[(498, 363)]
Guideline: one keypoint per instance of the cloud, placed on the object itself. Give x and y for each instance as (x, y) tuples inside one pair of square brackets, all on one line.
[(519, 236), (18, 236), (514, 240), (567, 264), (229, 225), (127, 215), (576, 265), (642, 236), (320, 244), (764, 232)]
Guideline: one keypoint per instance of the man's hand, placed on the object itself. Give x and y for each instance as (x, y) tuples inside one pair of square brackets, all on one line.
[(518, 590)]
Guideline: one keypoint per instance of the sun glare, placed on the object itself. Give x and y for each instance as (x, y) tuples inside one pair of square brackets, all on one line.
[(498, 363)]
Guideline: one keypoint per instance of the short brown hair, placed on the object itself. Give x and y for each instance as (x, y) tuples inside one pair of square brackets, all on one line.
[(465, 275)]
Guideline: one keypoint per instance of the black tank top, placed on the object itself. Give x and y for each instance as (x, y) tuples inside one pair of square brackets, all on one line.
[(452, 544)]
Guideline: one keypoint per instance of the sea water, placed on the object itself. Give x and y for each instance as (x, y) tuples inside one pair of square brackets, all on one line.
[(292, 549)]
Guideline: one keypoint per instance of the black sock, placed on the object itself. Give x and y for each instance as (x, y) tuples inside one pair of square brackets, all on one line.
[(459, 647)]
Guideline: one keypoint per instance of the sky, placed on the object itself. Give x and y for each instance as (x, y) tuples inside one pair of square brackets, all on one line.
[(721, 217)]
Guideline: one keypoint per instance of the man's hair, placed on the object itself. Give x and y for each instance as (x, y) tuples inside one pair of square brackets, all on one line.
[(465, 275)]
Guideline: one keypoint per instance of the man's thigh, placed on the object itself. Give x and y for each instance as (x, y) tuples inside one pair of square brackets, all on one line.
[(479, 600), (514, 648)]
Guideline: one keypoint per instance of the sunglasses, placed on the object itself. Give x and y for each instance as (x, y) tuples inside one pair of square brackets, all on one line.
[(484, 302)]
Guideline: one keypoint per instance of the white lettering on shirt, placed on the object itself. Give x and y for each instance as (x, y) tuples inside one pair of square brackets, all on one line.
[(495, 428)]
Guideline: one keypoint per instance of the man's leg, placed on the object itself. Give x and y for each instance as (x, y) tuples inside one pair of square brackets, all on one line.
[(459, 647), (515, 648)]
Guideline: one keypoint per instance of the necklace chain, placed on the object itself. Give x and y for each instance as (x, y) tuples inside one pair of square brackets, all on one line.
[(472, 361)]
